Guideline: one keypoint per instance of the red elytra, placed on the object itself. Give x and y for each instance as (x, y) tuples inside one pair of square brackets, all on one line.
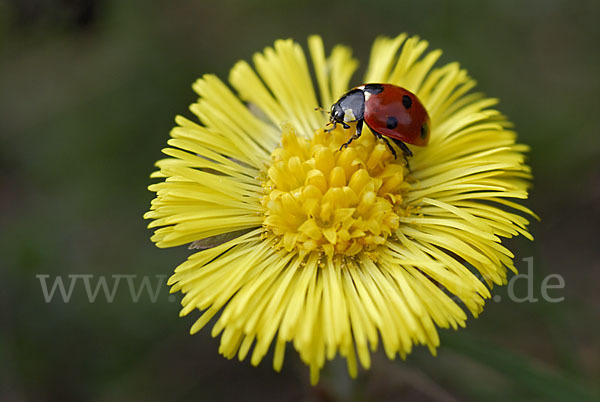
[(388, 110), (387, 114)]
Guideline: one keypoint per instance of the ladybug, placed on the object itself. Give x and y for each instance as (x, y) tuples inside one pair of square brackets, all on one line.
[(388, 110)]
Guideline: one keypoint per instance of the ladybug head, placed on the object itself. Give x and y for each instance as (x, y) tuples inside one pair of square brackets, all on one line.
[(337, 112), (350, 107)]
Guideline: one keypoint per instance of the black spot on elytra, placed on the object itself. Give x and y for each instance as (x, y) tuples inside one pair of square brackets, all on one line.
[(374, 88), (391, 122), (406, 101), (424, 131)]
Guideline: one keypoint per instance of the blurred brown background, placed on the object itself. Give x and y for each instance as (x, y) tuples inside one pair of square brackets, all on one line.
[(88, 93)]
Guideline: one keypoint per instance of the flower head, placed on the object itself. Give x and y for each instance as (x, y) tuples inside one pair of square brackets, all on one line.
[(337, 251)]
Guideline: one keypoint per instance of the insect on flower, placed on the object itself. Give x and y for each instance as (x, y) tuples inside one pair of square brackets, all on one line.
[(388, 110)]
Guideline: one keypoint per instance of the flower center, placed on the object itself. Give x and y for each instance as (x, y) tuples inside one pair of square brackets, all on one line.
[(318, 198)]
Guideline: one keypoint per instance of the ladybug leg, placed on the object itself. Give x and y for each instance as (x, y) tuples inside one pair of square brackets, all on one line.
[(381, 137), (359, 127), (403, 147), (335, 123), (405, 151)]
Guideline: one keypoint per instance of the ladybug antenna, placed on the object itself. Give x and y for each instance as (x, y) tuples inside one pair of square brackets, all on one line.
[(320, 109)]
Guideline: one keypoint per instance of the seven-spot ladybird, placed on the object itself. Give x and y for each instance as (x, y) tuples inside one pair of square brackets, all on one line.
[(388, 110)]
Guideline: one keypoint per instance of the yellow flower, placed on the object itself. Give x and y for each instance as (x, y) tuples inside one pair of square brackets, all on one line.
[(337, 251)]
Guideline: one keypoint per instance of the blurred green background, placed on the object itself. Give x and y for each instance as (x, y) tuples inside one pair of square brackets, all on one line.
[(88, 93)]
